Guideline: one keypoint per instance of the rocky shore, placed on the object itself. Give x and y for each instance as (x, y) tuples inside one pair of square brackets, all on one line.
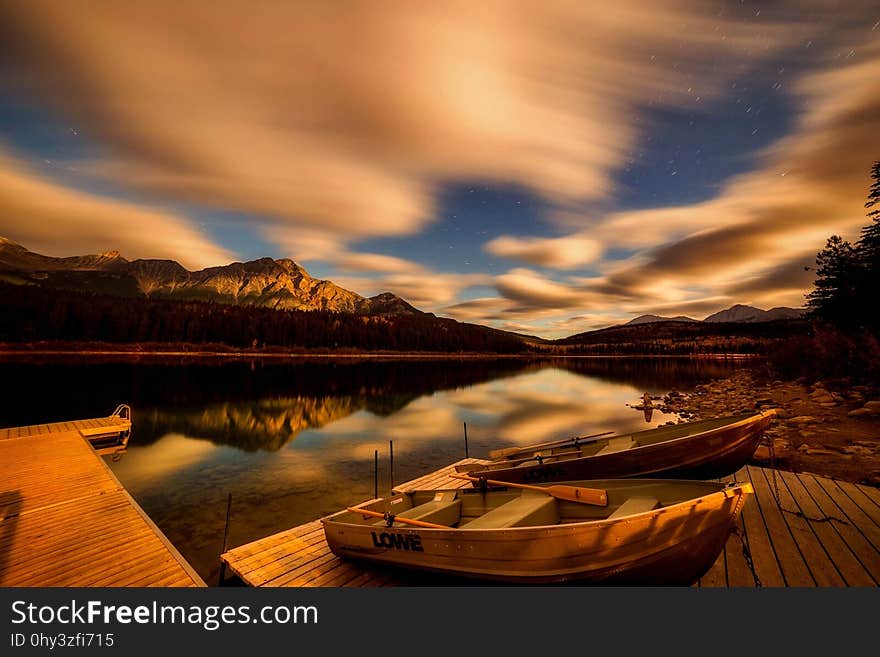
[(830, 428)]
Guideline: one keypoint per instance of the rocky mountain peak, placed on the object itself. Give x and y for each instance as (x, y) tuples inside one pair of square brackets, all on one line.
[(749, 314), (280, 284), (388, 303), (6, 243), (650, 319)]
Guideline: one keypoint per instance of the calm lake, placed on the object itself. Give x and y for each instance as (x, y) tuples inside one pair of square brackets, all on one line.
[(294, 440)]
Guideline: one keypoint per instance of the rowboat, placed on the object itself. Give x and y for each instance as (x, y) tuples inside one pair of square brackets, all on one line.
[(702, 450), (648, 532)]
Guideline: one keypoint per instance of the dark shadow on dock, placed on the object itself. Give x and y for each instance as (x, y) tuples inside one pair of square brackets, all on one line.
[(10, 507)]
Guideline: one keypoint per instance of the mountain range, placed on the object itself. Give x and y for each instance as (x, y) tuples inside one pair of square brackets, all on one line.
[(280, 284), (738, 314), (265, 283), (650, 319)]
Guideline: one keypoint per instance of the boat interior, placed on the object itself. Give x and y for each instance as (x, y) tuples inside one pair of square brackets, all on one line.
[(608, 445), (504, 508)]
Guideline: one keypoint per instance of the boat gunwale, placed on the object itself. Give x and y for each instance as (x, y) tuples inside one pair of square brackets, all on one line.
[(731, 489), (749, 418), (754, 417)]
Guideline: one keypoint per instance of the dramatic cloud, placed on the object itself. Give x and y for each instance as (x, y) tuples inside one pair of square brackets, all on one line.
[(317, 125), (560, 253), (375, 262), (335, 121), (426, 289), (752, 243), (768, 224), (55, 220), (483, 308), (531, 289), (529, 316)]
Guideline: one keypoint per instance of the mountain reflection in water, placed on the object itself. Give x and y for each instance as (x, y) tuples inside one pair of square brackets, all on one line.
[(295, 440)]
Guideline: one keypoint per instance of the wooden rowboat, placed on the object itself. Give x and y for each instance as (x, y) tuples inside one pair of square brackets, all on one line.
[(651, 532), (703, 450)]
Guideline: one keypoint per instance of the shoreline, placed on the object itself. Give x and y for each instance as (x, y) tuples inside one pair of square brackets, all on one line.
[(389, 355), (829, 428)]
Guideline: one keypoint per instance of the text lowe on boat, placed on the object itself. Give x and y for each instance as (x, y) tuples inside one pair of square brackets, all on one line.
[(649, 532), (704, 449)]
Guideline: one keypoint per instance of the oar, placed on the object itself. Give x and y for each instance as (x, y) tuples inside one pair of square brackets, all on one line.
[(535, 456), (510, 451), (595, 496), (406, 521)]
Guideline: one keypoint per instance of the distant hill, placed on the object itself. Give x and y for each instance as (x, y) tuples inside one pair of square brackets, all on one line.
[(279, 284), (750, 314), (736, 314), (669, 337), (648, 319), (738, 329)]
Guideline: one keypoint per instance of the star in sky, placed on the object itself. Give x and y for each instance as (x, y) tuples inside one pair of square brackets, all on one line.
[(545, 167)]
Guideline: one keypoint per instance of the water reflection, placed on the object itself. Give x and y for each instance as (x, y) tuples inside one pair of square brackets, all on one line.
[(263, 424), (294, 441)]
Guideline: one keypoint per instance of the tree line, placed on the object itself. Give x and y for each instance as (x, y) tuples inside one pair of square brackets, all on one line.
[(845, 291), (36, 314), (843, 305)]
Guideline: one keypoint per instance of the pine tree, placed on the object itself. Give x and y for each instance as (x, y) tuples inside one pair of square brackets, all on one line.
[(834, 295), (868, 253), (874, 192)]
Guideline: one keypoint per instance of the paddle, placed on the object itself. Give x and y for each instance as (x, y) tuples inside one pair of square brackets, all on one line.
[(510, 451), (595, 496), (534, 457), (406, 521)]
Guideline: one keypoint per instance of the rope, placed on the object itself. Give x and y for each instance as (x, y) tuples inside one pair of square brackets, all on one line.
[(747, 553), (775, 490), (773, 468)]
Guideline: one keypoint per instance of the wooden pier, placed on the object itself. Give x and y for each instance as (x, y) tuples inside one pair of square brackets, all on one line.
[(796, 530), (112, 425), (66, 520)]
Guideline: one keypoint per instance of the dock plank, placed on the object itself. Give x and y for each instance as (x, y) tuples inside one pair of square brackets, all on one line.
[(820, 564), (870, 491), (65, 520), (295, 554), (858, 495), (764, 559), (847, 566), (438, 479), (91, 427), (858, 518), (736, 551), (867, 555), (788, 554)]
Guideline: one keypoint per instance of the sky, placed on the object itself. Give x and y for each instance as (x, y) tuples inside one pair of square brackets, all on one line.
[(548, 167)]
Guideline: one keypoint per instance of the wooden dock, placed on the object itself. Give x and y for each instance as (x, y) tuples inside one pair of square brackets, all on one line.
[(796, 530), (101, 427), (66, 520)]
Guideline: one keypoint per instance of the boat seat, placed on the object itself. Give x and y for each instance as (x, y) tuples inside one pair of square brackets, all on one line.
[(617, 445), (444, 509), (538, 509), (634, 505)]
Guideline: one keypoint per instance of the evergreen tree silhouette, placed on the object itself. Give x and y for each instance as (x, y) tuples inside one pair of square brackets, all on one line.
[(868, 253), (833, 297), (848, 276)]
